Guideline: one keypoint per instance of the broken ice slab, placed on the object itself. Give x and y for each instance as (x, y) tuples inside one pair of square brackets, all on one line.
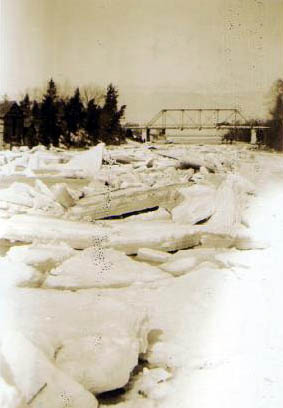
[(228, 203), (78, 235), (189, 164), (164, 236), (42, 256), (152, 255), (107, 269), (89, 161), (18, 274), (128, 236), (125, 201), (88, 336), (38, 379), (198, 204)]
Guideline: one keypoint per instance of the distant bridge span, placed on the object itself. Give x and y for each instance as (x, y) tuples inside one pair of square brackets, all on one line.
[(181, 119)]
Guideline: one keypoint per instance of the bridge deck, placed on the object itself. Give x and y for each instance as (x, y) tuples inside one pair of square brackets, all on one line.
[(175, 127)]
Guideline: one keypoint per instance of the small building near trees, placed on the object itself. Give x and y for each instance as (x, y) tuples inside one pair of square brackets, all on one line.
[(11, 124)]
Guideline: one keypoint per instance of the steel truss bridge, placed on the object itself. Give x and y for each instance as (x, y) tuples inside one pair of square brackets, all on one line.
[(181, 119)]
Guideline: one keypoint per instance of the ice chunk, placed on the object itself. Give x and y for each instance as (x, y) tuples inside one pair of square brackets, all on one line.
[(10, 396), (28, 228), (152, 255), (101, 362), (18, 193), (101, 268), (246, 239), (38, 198), (88, 334), (166, 236), (34, 162), (180, 266), (89, 161), (62, 195), (8, 169), (17, 274), (40, 254), (227, 215), (121, 201), (198, 205), (159, 215), (43, 189), (153, 383), (38, 379)]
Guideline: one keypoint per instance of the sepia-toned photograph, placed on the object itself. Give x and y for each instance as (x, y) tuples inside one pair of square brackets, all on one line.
[(141, 203)]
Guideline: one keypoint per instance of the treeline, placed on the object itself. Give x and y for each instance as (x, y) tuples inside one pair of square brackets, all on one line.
[(272, 135), (244, 135), (56, 120)]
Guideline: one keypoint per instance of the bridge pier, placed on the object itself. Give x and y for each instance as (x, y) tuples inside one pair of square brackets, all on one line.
[(146, 135), (162, 133), (253, 136)]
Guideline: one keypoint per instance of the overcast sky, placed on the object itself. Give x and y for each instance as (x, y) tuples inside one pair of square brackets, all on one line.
[(160, 53)]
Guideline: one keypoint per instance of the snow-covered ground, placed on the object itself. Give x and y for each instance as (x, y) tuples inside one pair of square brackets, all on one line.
[(141, 276)]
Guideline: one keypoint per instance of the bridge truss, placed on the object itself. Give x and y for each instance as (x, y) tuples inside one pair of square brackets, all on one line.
[(181, 119)]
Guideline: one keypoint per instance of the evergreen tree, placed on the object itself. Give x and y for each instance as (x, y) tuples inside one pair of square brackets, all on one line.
[(25, 105), (276, 110), (111, 99), (274, 137), (35, 112), (92, 121), (74, 114), (111, 131), (49, 129), (61, 121), (28, 131)]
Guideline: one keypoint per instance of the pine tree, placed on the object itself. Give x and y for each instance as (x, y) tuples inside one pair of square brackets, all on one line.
[(74, 114), (28, 131), (25, 105), (35, 112), (111, 100), (52, 90), (111, 131), (49, 129), (61, 121), (276, 110), (274, 137), (92, 121)]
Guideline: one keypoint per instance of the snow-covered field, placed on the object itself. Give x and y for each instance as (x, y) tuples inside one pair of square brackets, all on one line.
[(142, 277)]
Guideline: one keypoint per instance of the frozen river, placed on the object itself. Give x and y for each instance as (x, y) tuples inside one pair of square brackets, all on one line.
[(175, 307)]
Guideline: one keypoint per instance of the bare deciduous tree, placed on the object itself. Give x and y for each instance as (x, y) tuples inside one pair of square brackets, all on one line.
[(92, 91), (36, 93)]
